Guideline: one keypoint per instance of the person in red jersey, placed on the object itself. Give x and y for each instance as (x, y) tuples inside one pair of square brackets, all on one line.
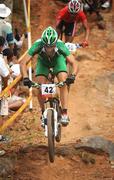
[(67, 20)]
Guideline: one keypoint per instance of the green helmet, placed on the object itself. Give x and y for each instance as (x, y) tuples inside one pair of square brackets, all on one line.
[(49, 36)]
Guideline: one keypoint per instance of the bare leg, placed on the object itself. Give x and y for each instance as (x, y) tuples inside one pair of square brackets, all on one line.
[(63, 91), (41, 80), (68, 39), (14, 106)]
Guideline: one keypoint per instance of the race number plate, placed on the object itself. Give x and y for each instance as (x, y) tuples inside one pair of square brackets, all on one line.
[(71, 47), (48, 89)]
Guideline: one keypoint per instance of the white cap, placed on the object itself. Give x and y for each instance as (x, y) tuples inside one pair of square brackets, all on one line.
[(4, 11), (106, 5)]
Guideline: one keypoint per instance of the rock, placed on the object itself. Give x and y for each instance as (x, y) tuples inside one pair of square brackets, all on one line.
[(85, 55), (103, 44), (101, 25), (96, 144), (101, 53), (86, 157), (3, 138), (112, 164), (6, 168), (111, 38), (2, 152)]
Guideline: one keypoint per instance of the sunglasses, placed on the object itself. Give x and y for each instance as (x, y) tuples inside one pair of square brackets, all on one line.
[(73, 13), (49, 46)]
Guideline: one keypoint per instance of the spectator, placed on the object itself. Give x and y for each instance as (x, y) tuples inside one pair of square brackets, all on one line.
[(18, 42), (15, 101), (4, 75), (4, 72), (6, 30)]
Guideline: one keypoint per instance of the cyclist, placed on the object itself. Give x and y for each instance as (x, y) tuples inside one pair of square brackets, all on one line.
[(52, 53), (67, 19), (4, 71)]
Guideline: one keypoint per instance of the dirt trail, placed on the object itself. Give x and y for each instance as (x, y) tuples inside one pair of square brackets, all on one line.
[(91, 103)]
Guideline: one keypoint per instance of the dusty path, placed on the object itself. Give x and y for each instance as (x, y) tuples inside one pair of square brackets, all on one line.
[(91, 103)]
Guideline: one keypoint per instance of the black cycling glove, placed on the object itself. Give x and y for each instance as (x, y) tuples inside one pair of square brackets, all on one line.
[(70, 79), (27, 82)]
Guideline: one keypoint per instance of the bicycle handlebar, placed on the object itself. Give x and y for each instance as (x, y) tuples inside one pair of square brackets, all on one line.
[(73, 46), (78, 45), (37, 85)]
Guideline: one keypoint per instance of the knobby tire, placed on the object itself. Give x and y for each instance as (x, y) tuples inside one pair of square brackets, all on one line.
[(58, 109), (51, 143)]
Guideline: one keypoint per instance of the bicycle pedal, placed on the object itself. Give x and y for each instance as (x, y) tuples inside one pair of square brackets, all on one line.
[(65, 124), (43, 126)]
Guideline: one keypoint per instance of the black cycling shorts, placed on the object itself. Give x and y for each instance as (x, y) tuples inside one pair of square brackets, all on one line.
[(67, 28)]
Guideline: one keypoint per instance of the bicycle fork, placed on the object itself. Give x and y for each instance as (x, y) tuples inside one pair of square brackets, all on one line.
[(55, 116)]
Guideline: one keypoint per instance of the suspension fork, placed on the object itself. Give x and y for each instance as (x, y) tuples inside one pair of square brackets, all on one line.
[(55, 121)]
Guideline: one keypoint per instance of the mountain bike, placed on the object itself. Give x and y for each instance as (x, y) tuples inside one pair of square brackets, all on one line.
[(52, 113)]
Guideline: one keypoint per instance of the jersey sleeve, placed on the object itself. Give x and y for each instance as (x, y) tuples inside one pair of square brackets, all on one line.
[(81, 16), (62, 48), (34, 49), (61, 14)]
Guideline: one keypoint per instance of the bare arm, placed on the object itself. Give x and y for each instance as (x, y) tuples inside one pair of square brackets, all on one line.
[(23, 65), (71, 60), (5, 81), (85, 23)]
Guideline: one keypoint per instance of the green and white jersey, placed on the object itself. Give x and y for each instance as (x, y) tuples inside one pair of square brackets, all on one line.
[(38, 48)]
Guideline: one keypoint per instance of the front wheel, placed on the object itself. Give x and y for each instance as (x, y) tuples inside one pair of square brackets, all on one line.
[(51, 136)]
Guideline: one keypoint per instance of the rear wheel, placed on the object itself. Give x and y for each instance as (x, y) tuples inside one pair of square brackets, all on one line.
[(51, 143)]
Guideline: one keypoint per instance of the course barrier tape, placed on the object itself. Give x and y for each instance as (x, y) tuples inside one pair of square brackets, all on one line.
[(11, 120), (19, 60), (13, 83), (4, 92)]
